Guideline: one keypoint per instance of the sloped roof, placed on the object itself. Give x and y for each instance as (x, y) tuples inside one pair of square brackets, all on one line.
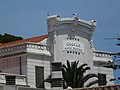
[(34, 40)]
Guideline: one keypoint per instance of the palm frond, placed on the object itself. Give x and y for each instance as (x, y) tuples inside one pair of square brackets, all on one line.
[(73, 74), (92, 83), (88, 76), (48, 79), (81, 66), (85, 69)]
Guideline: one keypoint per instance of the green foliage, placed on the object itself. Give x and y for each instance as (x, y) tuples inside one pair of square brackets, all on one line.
[(8, 38), (75, 77)]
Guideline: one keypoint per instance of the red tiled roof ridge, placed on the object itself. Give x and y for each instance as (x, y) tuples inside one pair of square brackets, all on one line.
[(33, 39)]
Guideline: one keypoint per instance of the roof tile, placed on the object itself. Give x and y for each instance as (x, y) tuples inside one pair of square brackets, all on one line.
[(34, 40)]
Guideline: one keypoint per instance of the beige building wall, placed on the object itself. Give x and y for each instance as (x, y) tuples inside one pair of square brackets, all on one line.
[(23, 60), (100, 60), (70, 39)]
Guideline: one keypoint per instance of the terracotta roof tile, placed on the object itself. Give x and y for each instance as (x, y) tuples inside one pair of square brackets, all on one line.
[(34, 40)]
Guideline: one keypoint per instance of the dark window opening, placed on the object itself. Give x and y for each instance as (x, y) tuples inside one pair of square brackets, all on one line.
[(73, 52), (57, 66), (101, 79), (10, 80), (39, 71), (57, 82)]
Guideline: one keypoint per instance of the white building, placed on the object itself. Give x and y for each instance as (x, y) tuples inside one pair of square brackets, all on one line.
[(67, 39)]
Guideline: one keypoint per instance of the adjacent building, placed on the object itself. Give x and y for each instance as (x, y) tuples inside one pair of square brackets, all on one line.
[(67, 39)]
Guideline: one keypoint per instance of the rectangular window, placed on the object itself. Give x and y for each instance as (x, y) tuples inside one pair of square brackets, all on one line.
[(10, 80), (101, 79), (39, 71), (57, 66), (57, 82)]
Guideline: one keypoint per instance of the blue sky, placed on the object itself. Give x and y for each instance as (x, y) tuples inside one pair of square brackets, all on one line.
[(27, 18)]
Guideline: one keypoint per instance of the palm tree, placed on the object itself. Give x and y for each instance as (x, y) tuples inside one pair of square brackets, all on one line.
[(74, 77)]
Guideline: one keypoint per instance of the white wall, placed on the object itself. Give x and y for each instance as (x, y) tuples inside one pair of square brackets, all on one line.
[(60, 30), (37, 60), (100, 69)]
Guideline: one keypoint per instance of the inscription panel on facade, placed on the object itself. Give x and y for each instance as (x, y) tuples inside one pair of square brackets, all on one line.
[(71, 45)]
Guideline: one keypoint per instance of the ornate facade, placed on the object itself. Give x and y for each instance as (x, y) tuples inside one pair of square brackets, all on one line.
[(67, 39)]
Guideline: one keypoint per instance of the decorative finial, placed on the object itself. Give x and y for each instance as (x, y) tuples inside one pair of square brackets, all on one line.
[(74, 14)]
